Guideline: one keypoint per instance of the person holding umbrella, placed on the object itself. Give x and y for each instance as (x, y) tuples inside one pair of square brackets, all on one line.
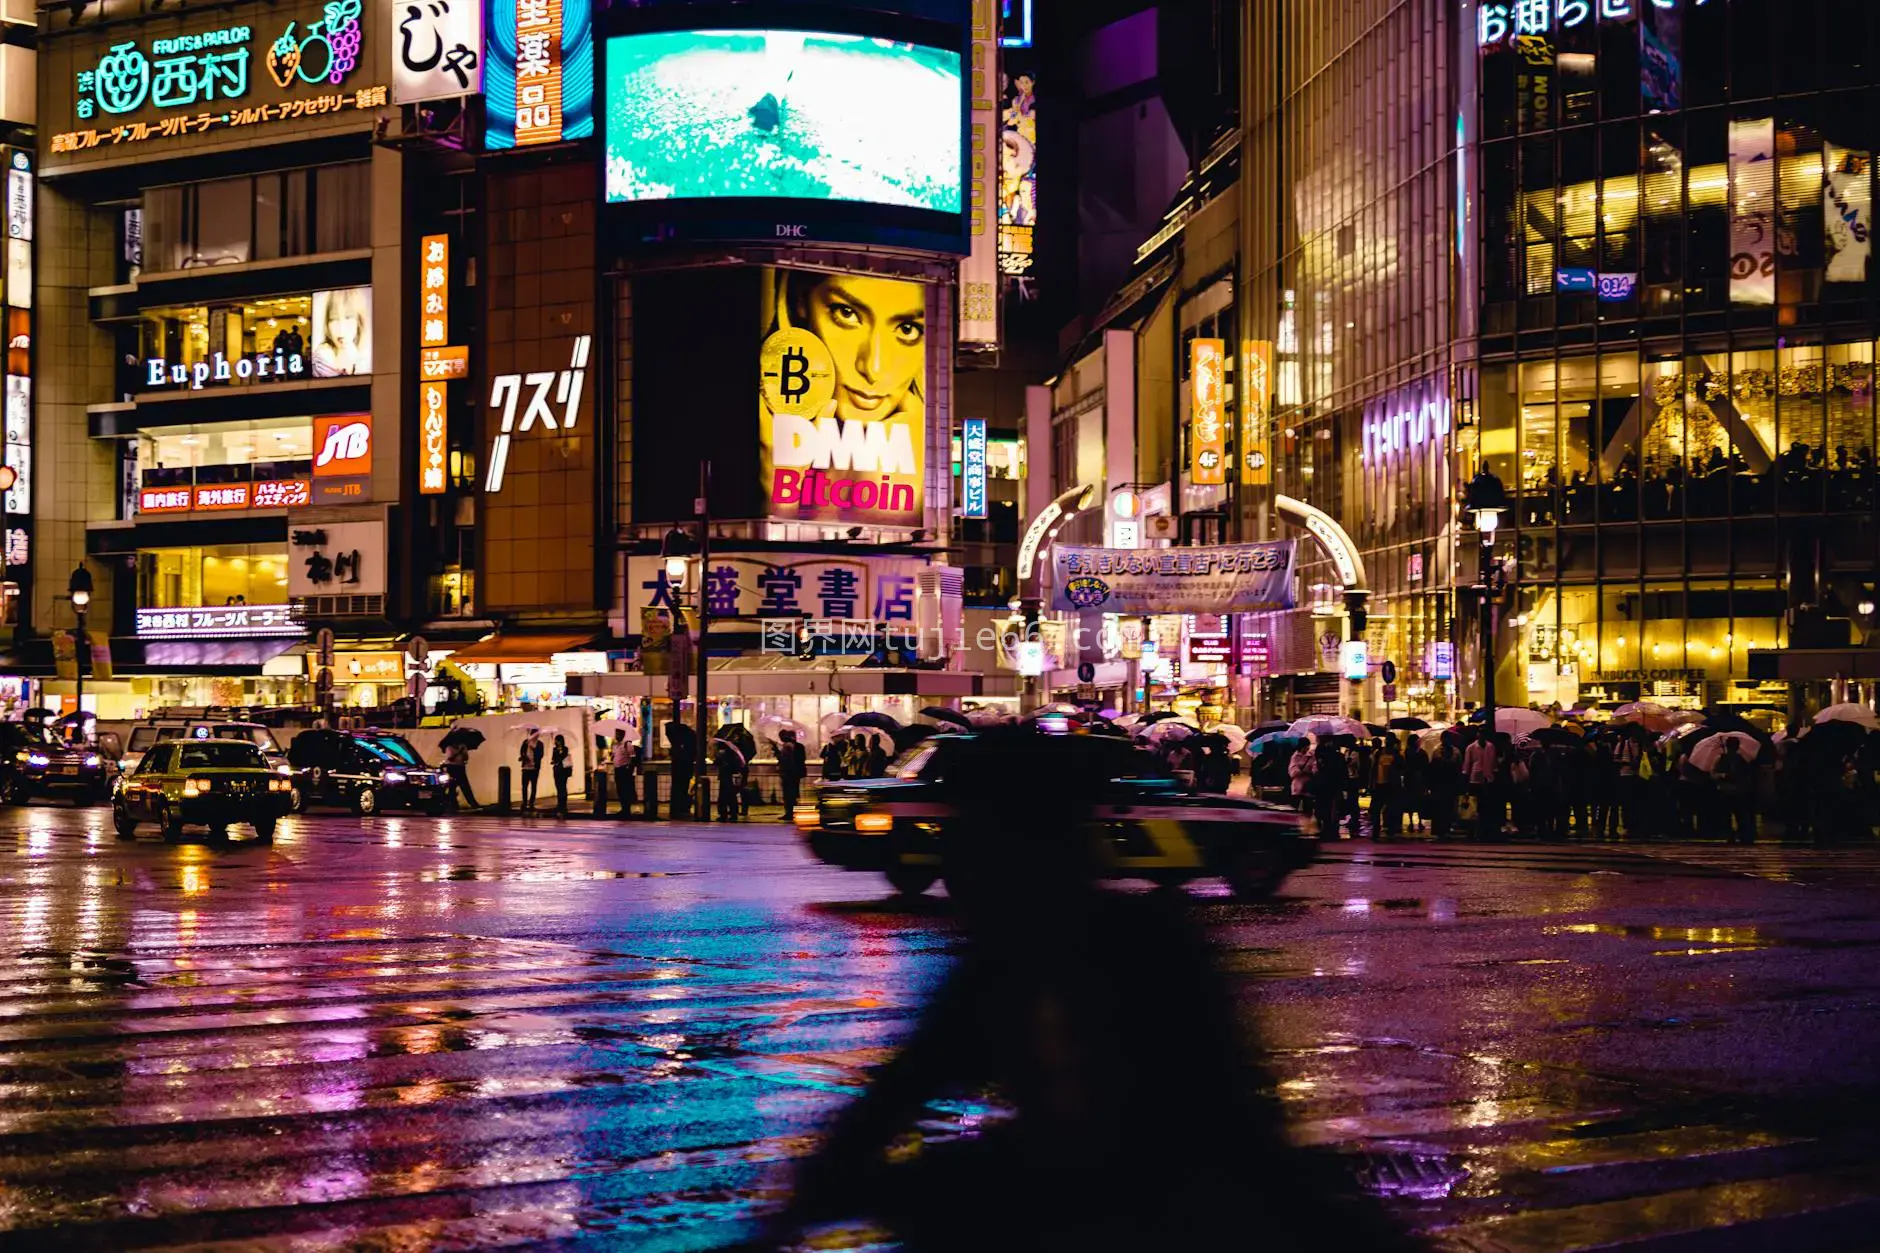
[(457, 747), (561, 766), (529, 757), (730, 763), (624, 757)]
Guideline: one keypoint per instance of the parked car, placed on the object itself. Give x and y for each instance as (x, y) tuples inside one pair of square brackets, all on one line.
[(208, 782), (144, 734), (38, 764), (363, 771), (1146, 824)]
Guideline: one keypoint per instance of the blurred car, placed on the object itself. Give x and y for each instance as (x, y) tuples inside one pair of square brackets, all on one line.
[(38, 764), (211, 783), (144, 734), (364, 771), (1148, 824)]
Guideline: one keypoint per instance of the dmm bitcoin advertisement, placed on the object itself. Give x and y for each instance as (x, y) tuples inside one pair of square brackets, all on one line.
[(843, 383)]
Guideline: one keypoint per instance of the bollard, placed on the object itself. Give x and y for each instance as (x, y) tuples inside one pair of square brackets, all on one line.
[(649, 795), (702, 799), (599, 791), (502, 790)]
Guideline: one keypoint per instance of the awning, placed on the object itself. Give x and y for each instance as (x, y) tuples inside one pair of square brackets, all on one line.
[(522, 647)]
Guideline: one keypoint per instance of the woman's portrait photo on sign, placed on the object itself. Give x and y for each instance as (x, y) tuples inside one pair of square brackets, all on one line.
[(843, 380), (342, 332)]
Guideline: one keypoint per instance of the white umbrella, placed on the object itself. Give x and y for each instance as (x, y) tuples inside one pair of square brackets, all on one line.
[(1235, 737), (1127, 720), (1167, 729), (1330, 724), (1848, 711), (831, 723), (1650, 709), (607, 726), (769, 725), (1518, 721), (1708, 751)]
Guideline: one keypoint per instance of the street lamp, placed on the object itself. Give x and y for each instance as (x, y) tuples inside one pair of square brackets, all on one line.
[(79, 587), (1486, 500)]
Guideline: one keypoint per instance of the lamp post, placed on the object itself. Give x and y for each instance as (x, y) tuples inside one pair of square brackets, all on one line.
[(676, 558), (1486, 500), (79, 586)]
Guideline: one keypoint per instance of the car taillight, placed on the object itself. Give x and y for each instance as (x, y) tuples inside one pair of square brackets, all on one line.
[(196, 787), (806, 817), (874, 824)]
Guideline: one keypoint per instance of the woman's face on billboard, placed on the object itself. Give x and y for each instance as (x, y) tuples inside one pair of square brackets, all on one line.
[(876, 332)]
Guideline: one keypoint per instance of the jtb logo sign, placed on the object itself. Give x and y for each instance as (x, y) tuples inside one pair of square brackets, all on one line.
[(506, 390), (350, 442)]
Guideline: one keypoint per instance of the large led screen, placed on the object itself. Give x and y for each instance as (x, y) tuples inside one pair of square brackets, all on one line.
[(783, 115)]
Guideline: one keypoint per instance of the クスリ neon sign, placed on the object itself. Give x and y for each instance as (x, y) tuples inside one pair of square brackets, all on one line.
[(197, 69), (1498, 22)]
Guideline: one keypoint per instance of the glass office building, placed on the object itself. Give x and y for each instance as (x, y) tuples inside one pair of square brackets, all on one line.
[(1678, 314)]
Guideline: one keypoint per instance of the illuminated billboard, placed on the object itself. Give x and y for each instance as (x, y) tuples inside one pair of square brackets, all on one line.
[(783, 114), (843, 392), (538, 73)]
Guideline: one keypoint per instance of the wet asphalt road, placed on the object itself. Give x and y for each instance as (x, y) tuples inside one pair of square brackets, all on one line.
[(411, 1034)]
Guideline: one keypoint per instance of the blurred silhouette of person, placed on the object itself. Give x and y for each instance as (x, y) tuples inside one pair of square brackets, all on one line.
[(1102, 1020)]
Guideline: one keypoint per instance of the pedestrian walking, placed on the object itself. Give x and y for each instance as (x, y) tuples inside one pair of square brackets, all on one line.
[(1444, 774), (1480, 767), (1628, 755), (457, 771), (1416, 783), (1299, 776), (683, 745), (561, 766), (530, 760), (792, 766), (1735, 780), (727, 762), (1328, 787), (625, 759), (1386, 789)]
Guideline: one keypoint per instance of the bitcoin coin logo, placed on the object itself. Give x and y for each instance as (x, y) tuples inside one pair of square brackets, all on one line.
[(798, 377)]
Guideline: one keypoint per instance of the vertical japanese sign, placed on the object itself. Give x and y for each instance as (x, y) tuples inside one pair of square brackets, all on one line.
[(1256, 415), (439, 47), (1207, 432), (973, 468), (433, 392), (17, 472), (1018, 173), (1847, 212), (979, 272), (538, 81)]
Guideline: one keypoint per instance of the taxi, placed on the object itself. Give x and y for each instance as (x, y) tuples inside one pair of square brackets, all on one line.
[(1149, 826), (209, 783)]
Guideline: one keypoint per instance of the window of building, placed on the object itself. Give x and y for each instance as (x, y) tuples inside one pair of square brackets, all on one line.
[(230, 221), (221, 345), (227, 574)]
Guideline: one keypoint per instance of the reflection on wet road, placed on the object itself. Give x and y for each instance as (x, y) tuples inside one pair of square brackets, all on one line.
[(417, 1034)]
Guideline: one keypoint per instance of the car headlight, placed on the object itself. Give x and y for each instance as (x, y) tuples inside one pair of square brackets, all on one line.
[(286, 770), (874, 823), (806, 817), (38, 759), (393, 776), (280, 785), (92, 759)]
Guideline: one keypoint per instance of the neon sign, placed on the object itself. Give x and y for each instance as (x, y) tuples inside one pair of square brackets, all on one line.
[(506, 390), (1498, 23), (213, 65), (1399, 426)]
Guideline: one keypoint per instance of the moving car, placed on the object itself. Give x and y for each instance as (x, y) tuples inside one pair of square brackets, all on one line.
[(211, 783), (1149, 825), (363, 771), (38, 764)]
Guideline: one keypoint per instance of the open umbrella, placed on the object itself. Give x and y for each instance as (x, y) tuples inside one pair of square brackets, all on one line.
[(1267, 728), (606, 727), (1514, 721), (1235, 737), (1157, 716), (1169, 729), (1848, 711), (1408, 724), (730, 744), (1553, 737), (1706, 754), (953, 716), (909, 736), (1330, 724), (1126, 721), (1273, 741), (771, 727), (880, 722)]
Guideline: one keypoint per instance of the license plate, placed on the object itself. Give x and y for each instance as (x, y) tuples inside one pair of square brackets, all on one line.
[(68, 769)]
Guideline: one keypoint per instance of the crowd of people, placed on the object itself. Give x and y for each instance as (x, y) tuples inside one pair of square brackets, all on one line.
[(1706, 484), (1621, 782)]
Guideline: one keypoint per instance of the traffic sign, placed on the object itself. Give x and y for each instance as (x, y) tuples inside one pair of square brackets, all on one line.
[(324, 642), (1388, 672), (1086, 672), (1390, 693), (418, 649)]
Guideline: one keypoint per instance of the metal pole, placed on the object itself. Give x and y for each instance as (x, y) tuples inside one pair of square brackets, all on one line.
[(1488, 633), (81, 653), (700, 763)]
